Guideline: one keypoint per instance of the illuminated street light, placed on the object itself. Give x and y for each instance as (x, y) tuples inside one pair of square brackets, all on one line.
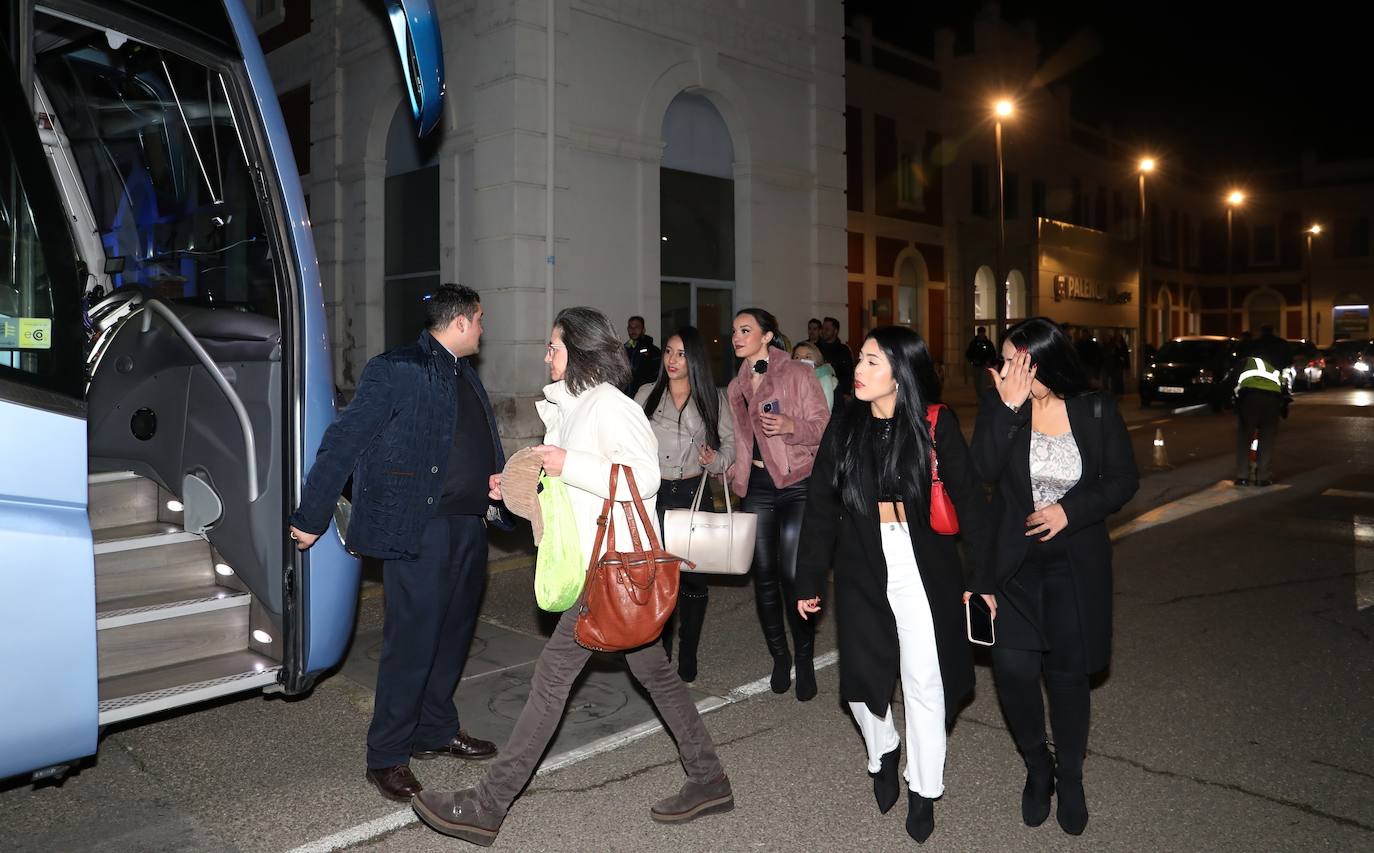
[(1000, 110), (1235, 198), (1147, 165)]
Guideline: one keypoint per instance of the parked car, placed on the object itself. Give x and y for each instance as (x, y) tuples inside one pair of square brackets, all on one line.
[(1305, 370), (1349, 362), (1190, 370)]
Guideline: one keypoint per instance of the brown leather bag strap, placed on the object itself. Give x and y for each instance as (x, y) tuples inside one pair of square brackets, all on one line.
[(639, 507), (605, 523)]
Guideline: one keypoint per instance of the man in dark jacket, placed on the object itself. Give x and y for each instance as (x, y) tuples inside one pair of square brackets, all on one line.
[(420, 440), (980, 354), (644, 357), (838, 356)]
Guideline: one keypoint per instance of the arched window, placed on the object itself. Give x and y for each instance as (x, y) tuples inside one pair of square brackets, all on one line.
[(697, 225), (411, 261), (984, 294), (1017, 302)]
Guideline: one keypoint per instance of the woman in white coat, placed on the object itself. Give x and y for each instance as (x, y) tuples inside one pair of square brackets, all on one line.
[(589, 425)]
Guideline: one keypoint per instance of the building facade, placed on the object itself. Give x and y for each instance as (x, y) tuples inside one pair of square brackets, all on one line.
[(698, 167)]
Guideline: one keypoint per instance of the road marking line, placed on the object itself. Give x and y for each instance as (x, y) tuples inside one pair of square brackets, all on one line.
[(1186, 409), (1346, 493), (404, 817), (1364, 561), (1219, 494), (1135, 427)]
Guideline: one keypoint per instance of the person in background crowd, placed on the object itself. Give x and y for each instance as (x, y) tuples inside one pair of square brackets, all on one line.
[(838, 356), (691, 418), (813, 331), (589, 427), (779, 414), (899, 585), (1060, 457), (811, 354), (643, 355), (980, 353)]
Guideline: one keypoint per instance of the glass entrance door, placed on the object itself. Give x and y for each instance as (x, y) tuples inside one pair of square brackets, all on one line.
[(710, 306)]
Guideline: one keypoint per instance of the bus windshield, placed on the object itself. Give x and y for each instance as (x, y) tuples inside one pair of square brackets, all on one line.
[(162, 156)]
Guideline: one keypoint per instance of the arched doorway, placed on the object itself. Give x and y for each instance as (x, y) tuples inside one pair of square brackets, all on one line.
[(697, 221), (412, 247), (1263, 308), (1017, 301), (984, 296), (912, 285), (1194, 324)]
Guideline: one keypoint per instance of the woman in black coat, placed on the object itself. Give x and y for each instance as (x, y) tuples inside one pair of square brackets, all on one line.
[(899, 587), (1061, 459)]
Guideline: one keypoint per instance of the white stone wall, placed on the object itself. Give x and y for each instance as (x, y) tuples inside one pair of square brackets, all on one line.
[(773, 69)]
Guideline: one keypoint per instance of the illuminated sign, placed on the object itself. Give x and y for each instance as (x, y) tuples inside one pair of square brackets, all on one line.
[(1079, 288)]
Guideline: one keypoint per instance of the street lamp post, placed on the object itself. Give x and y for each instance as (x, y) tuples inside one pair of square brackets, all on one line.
[(1235, 199), (1147, 165), (1002, 109), (1311, 232)]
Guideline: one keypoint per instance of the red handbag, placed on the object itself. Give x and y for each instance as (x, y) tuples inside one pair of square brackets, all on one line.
[(943, 519), (628, 594)]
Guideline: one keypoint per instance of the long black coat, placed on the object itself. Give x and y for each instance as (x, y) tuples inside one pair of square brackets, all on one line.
[(1001, 450), (832, 536)]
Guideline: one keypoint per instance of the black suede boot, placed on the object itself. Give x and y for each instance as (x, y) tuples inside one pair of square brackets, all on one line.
[(920, 817), (1072, 813), (887, 781), (1035, 797), (691, 613), (782, 673)]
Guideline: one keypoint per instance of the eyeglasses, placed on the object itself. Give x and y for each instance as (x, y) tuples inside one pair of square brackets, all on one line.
[(552, 347)]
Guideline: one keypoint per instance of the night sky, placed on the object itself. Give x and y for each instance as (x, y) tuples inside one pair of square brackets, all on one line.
[(1230, 88)]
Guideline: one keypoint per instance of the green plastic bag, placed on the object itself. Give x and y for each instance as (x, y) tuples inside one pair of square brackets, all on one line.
[(558, 570)]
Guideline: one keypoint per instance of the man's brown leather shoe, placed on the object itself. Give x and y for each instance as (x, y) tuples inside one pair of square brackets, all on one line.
[(463, 745), (459, 814), (396, 783)]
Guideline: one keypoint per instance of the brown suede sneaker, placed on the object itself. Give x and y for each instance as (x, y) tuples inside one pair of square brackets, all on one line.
[(695, 799)]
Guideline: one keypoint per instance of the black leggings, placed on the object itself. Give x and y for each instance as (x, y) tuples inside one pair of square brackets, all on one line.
[(1018, 671), (678, 494), (779, 518)]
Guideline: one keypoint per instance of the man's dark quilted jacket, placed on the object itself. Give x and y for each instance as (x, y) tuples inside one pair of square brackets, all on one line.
[(394, 439)]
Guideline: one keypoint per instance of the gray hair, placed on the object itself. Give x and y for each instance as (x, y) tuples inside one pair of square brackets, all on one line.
[(595, 353)]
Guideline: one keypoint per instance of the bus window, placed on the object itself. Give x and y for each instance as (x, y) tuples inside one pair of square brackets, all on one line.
[(160, 150)]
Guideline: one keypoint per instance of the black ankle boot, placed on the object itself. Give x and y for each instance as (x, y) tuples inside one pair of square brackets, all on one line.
[(920, 817), (806, 679), (782, 673), (886, 785), (1035, 797), (1072, 813)]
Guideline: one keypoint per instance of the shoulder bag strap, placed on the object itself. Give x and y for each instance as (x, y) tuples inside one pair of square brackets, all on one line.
[(643, 513), (933, 415)]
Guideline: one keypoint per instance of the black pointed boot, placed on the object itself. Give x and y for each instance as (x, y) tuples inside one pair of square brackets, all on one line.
[(691, 614), (920, 817), (887, 786), (1035, 797)]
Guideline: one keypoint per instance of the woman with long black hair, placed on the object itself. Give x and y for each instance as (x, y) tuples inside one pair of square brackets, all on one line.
[(696, 438), (899, 585), (1059, 454), (780, 414)]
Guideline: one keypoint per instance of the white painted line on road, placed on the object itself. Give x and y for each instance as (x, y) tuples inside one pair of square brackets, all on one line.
[(404, 817), (1220, 494), (1364, 561), (1346, 493), (1135, 427), (1186, 409)]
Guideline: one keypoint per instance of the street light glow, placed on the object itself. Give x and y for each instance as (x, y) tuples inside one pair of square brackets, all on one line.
[(1236, 197), (1147, 165), (1315, 229), (1003, 108)]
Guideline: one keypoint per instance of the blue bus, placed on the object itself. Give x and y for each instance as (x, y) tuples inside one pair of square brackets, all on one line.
[(165, 374)]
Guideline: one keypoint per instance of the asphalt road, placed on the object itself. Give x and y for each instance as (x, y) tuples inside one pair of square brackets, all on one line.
[(1235, 716)]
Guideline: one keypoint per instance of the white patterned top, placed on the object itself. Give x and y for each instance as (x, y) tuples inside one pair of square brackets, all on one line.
[(1055, 467)]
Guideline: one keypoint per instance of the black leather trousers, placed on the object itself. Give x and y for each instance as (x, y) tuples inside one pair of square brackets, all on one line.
[(779, 513)]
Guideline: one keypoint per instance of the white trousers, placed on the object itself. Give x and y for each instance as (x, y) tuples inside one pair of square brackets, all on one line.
[(923, 693)]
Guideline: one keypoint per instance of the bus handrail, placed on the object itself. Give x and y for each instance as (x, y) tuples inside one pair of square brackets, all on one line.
[(249, 445)]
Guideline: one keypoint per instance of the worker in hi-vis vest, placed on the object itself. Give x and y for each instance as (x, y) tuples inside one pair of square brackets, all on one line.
[(1262, 397)]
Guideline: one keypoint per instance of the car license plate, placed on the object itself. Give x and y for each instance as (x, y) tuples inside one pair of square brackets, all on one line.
[(1170, 389)]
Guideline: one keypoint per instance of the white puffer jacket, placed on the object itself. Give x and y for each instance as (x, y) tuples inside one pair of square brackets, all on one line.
[(599, 427)]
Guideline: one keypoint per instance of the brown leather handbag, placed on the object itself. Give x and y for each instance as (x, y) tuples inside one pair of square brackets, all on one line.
[(628, 594)]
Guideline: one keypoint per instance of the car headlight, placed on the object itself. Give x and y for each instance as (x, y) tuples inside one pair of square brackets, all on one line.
[(1149, 374), (1362, 367)]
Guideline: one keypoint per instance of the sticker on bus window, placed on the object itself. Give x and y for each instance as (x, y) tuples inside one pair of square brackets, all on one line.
[(25, 333)]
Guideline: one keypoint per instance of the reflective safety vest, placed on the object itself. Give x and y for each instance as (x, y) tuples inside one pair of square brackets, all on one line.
[(1259, 375)]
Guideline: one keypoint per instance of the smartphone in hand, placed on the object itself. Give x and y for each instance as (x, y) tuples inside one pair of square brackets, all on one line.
[(978, 621), (771, 407)]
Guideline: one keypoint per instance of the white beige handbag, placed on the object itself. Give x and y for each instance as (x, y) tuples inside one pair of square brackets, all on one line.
[(720, 543)]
